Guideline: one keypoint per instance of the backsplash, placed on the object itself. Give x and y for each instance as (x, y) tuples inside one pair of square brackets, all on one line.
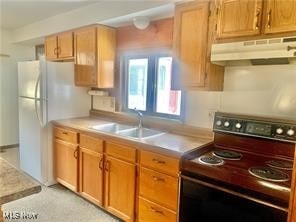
[(259, 90)]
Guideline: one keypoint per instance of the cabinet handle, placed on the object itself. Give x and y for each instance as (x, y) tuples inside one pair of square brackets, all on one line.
[(65, 133), (107, 166), (59, 50), (257, 19), (101, 167), (55, 51), (156, 211), (155, 178), (269, 19), (76, 153), (158, 161)]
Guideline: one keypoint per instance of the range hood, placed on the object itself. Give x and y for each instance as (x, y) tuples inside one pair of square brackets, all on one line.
[(255, 52)]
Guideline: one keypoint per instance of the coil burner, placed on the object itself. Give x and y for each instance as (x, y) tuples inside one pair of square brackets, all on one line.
[(280, 164), (228, 154), (211, 160), (268, 173)]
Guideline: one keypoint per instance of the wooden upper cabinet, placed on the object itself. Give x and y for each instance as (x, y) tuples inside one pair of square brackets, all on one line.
[(86, 56), (190, 42), (238, 18), (51, 47), (59, 47), (95, 56), (65, 45), (120, 186), (280, 16)]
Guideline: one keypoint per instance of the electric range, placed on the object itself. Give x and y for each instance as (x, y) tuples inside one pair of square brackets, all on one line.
[(249, 163)]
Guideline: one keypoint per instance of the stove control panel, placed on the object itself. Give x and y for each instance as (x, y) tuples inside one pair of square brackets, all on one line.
[(269, 129)]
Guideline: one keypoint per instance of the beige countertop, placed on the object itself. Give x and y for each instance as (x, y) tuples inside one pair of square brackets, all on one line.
[(167, 143), (15, 185)]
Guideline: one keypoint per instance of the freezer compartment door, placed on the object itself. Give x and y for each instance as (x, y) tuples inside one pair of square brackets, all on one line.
[(29, 75), (31, 138)]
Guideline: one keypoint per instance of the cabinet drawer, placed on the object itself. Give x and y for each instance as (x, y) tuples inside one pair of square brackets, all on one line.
[(66, 135), (149, 211), (159, 187), (159, 162), (91, 143), (121, 152)]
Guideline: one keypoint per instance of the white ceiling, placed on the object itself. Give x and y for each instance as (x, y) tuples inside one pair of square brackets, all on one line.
[(17, 13)]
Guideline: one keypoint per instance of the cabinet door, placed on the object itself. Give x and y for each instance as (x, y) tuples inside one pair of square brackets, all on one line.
[(106, 40), (66, 164), (91, 175), (65, 45), (51, 47), (86, 57), (280, 16), (191, 29), (239, 18), (120, 179)]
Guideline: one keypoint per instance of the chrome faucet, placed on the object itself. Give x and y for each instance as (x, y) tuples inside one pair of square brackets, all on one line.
[(140, 118)]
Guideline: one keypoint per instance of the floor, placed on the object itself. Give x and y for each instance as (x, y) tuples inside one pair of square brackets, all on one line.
[(57, 204), (11, 155), (52, 204)]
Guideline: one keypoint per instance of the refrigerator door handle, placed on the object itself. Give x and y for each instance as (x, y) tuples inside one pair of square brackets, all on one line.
[(36, 100)]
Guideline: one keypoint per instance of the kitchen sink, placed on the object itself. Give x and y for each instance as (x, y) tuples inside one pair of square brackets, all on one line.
[(139, 133), (112, 127)]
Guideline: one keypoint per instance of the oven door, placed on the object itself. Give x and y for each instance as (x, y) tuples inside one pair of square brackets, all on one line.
[(204, 202)]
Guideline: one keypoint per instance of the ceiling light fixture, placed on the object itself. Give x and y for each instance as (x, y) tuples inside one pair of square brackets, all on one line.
[(141, 22)]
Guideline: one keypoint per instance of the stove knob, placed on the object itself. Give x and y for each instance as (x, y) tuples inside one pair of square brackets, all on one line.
[(290, 132), (219, 123), (226, 124), (279, 131), (238, 125)]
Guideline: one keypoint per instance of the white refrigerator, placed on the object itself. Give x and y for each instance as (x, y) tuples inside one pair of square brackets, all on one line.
[(46, 92)]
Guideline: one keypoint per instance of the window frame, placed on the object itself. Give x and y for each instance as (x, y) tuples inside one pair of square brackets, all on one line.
[(151, 100)]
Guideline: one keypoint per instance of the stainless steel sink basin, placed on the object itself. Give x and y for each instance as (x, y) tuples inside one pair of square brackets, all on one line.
[(139, 133), (111, 127)]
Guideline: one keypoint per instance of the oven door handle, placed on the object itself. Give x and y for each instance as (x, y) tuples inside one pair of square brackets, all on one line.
[(194, 180)]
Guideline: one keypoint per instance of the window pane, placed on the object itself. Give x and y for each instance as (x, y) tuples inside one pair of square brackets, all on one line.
[(168, 101), (137, 83)]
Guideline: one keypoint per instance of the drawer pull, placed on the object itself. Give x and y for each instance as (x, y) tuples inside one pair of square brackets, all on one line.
[(158, 161), (65, 133), (156, 211), (107, 166), (290, 47), (155, 178)]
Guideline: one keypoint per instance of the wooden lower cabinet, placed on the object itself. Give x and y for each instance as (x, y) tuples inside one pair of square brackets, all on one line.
[(120, 186), (91, 175), (151, 212), (105, 173), (66, 164), (160, 188)]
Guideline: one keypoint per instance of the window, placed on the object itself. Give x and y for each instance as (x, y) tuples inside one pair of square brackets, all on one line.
[(147, 86)]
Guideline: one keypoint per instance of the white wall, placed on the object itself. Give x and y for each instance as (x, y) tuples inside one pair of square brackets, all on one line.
[(100, 12), (259, 90), (8, 86)]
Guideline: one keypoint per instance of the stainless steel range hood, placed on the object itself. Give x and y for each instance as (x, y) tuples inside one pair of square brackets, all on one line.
[(255, 52)]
